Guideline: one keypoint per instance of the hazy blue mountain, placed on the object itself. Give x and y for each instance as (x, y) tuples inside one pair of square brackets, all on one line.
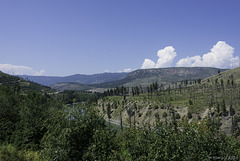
[(77, 78)]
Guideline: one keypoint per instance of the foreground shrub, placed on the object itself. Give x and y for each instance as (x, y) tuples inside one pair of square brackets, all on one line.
[(10, 153)]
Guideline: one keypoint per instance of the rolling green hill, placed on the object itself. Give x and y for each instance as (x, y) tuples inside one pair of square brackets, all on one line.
[(70, 86), (16, 82), (226, 75)]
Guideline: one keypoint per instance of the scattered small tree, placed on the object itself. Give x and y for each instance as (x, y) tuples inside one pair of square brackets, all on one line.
[(109, 113)]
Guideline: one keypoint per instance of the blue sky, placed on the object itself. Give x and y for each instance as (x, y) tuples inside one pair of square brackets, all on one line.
[(61, 37)]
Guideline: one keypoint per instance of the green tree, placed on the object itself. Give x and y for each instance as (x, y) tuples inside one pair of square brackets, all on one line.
[(130, 113), (224, 110), (70, 133), (109, 113), (135, 111)]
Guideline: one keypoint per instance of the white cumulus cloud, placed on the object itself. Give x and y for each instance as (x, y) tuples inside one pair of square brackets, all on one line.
[(127, 70), (220, 56), (148, 64), (20, 70), (165, 58)]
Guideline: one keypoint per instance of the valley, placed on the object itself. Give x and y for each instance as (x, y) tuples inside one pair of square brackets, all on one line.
[(159, 108)]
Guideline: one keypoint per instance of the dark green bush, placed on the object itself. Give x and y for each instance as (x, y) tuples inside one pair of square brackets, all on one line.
[(156, 106)]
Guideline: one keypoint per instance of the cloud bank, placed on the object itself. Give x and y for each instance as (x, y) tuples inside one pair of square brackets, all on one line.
[(148, 64), (165, 59), (127, 70), (220, 56), (20, 70)]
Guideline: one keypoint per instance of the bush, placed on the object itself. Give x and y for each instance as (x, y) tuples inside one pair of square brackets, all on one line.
[(156, 107), (165, 114), (70, 134), (189, 115), (139, 114), (162, 106), (32, 155), (10, 153), (157, 116), (199, 117), (150, 107), (178, 116), (148, 113), (190, 102)]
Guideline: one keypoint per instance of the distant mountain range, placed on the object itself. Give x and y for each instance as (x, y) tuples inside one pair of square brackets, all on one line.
[(142, 77), (77, 78)]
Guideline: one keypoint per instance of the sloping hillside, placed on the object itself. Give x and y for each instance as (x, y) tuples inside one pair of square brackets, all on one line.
[(226, 75), (16, 82), (141, 77), (162, 75), (70, 86), (216, 97)]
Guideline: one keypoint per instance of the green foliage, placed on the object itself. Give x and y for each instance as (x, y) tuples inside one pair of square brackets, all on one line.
[(189, 115), (102, 146), (68, 96), (11, 153), (139, 114), (149, 113), (109, 111), (162, 106), (232, 111), (21, 85), (156, 106), (33, 112), (199, 117), (69, 134), (9, 113), (177, 116), (190, 102), (224, 110), (37, 126), (33, 156), (157, 116), (194, 142), (150, 107), (165, 115)]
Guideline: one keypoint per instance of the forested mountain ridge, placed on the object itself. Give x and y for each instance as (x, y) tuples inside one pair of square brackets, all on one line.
[(175, 71), (162, 75)]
